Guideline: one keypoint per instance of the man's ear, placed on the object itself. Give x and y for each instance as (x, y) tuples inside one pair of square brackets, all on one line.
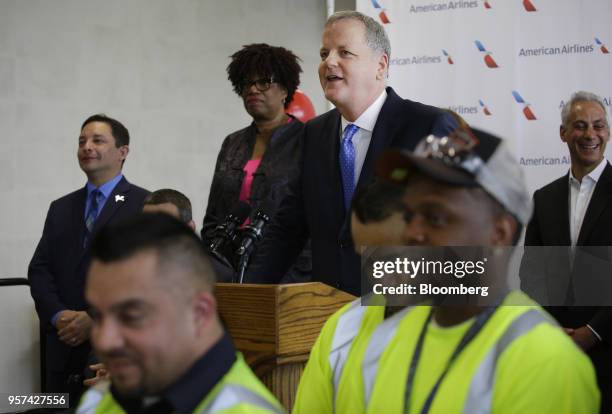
[(504, 230), (191, 225), (205, 311), (124, 150), (562, 131), (383, 66)]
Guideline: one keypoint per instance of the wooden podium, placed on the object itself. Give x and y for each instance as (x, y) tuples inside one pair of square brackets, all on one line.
[(275, 326)]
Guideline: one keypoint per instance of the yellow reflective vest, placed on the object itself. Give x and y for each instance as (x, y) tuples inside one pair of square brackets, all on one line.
[(238, 392), (328, 382), (520, 362)]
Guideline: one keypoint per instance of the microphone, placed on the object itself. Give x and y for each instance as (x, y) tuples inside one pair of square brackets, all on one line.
[(252, 233), (227, 230)]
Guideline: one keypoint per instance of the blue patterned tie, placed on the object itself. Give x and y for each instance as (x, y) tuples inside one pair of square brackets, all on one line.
[(347, 163), (90, 220)]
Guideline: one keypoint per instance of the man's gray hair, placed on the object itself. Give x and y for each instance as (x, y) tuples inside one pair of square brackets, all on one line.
[(376, 37), (581, 96)]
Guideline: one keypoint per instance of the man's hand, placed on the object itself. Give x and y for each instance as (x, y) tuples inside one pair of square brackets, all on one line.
[(101, 375), (583, 337), (77, 330), (65, 317)]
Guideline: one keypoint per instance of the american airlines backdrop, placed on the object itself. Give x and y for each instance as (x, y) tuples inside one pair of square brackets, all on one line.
[(506, 66)]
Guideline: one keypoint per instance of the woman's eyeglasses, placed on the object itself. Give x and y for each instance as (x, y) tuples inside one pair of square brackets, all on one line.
[(262, 84)]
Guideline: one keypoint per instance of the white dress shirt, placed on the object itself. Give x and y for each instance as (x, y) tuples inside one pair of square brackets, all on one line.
[(361, 139), (580, 197)]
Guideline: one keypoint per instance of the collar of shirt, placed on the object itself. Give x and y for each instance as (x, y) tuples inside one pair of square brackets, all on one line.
[(593, 175), (362, 138), (201, 378), (367, 119), (580, 194), (106, 189), (190, 389)]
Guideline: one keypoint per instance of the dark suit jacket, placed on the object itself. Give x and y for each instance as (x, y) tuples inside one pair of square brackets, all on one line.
[(546, 274), (58, 268), (315, 207)]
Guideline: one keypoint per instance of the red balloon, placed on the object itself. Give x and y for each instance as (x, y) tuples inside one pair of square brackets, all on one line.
[(301, 107)]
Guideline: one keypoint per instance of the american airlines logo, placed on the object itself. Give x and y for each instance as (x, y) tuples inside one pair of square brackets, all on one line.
[(528, 5), (443, 6), (382, 14), (529, 115), (488, 59)]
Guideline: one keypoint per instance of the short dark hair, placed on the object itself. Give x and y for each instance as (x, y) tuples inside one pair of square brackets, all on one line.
[(261, 59), (174, 197), (175, 244), (377, 200), (119, 131)]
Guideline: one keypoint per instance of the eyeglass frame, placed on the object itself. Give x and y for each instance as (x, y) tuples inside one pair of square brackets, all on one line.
[(244, 86)]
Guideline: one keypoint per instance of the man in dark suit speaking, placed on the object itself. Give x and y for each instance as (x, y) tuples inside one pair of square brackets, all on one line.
[(576, 211), (59, 265), (340, 147)]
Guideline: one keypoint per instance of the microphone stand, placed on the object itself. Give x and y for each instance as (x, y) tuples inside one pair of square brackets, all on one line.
[(252, 236), (242, 265)]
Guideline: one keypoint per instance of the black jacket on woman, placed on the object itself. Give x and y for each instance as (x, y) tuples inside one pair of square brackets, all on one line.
[(278, 171)]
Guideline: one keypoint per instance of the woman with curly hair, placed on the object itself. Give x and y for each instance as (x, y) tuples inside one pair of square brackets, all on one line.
[(259, 163)]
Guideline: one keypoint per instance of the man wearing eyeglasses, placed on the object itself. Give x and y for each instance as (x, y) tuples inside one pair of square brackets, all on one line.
[(339, 149), (576, 211)]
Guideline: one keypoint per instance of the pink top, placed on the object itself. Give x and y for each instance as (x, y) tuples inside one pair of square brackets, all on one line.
[(249, 169), (245, 190)]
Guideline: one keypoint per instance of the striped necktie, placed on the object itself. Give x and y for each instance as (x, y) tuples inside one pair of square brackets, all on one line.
[(92, 214)]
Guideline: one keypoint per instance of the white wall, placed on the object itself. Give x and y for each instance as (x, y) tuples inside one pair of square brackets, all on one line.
[(156, 65), (20, 346)]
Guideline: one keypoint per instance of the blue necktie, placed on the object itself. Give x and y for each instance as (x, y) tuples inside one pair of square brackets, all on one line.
[(347, 163), (90, 220)]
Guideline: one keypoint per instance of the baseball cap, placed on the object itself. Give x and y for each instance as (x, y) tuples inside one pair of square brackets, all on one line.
[(467, 157)]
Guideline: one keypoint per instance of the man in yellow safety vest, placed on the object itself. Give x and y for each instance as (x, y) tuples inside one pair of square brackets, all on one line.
[(501, 356), (156, 328), (376, 220)]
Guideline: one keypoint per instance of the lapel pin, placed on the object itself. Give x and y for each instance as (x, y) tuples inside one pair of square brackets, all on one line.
[(119, 198)]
